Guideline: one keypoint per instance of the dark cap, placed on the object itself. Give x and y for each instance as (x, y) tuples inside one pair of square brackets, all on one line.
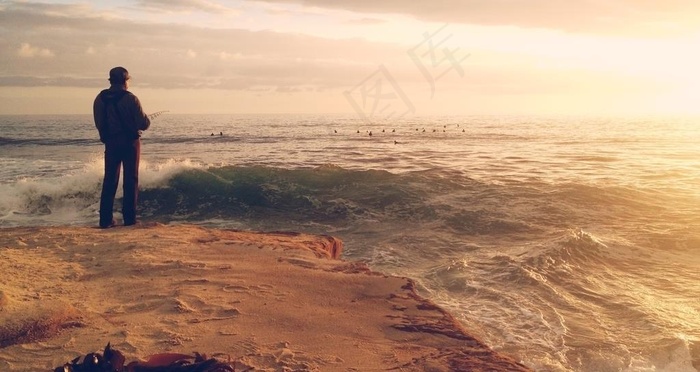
[(118, 75)]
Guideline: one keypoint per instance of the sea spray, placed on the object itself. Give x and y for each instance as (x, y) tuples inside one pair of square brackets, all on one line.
[(154, 175), (68, 198), (74, 197)]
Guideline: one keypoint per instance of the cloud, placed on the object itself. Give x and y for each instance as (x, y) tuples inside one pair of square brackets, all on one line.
[(367, 21), (60, 81), (27, 51), (173, 55), (587, 16), (225, 56), (188, 58), (54, 10), (206, 6)]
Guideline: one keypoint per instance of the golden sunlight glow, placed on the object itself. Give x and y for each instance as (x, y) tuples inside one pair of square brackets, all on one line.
[(274, 56)]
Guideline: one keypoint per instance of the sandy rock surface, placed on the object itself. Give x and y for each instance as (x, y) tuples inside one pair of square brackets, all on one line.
[(264, 301)]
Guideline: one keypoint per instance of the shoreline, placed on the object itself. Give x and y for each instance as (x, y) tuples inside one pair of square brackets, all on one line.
[(266, 300)]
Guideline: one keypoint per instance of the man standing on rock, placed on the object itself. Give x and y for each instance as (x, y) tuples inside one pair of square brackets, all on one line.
[(120, 119)]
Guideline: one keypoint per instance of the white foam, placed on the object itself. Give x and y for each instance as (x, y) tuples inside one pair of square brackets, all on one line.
[(674, 358), (26, 192), (72, 198), (154, 175)]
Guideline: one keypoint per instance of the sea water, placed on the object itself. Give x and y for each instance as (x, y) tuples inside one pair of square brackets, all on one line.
[(570, 243)]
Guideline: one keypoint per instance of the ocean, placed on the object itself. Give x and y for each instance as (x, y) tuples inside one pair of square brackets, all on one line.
[(569, 243)]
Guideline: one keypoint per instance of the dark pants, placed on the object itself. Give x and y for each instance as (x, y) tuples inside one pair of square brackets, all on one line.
[(118, 154)]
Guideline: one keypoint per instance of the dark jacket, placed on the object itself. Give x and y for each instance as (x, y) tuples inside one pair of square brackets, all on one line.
[(118, 115)]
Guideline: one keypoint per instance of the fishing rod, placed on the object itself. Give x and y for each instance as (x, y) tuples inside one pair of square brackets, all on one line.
[(156, 114)]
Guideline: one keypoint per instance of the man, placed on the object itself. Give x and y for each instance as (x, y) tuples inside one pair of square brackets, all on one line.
[(119, 119)]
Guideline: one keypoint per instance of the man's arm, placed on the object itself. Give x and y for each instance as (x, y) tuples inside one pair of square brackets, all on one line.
[(98, 109), (140, 118)]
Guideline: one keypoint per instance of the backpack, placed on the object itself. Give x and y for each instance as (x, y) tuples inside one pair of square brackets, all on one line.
[(110, 102)]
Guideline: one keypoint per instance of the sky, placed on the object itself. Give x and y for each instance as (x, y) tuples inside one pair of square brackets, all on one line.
[(377, 59)]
